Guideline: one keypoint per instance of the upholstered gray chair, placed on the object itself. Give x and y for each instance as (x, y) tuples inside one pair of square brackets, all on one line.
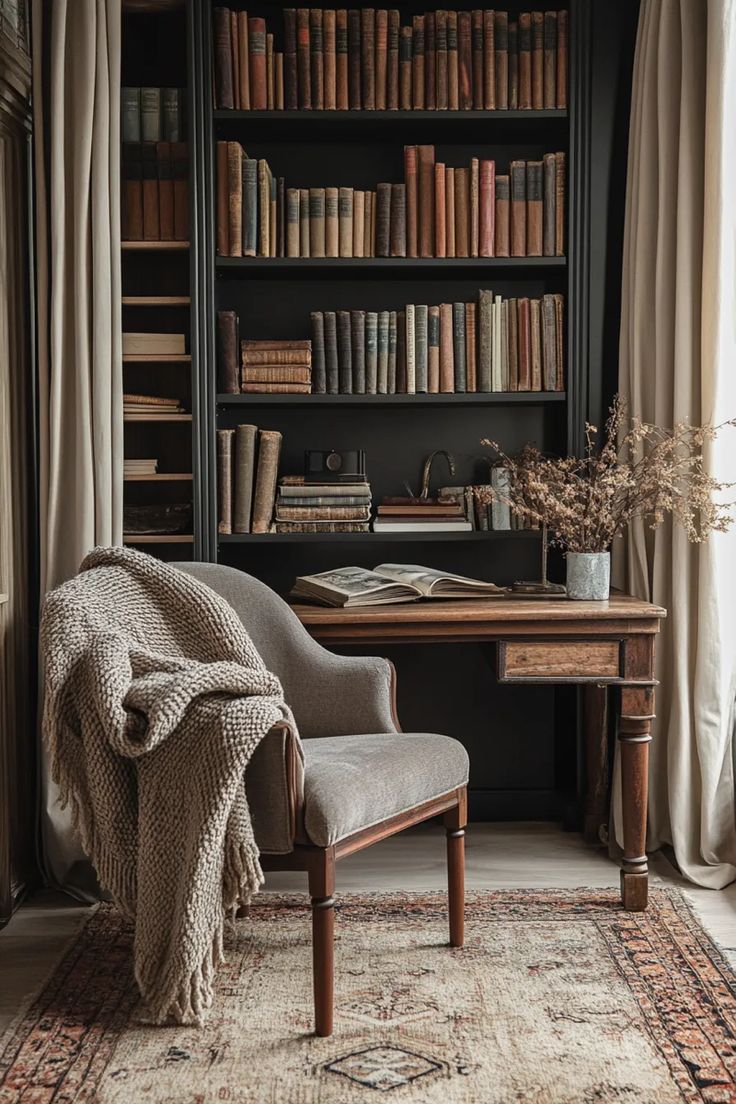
[(348, 777)]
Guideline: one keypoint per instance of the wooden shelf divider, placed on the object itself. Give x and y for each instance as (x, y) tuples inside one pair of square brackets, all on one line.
[(156, 300), (158, 538), (157, 358), (154, 246), (159, 477), (157, 417)]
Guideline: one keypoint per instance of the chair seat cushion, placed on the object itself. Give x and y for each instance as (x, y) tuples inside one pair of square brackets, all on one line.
[(353, 782)]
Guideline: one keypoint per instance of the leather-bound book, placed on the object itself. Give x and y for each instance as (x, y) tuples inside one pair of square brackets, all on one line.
[(405, 66), (501, 58), (525, 363), (264, 209), (484, 319), (303, 58), (535, 343), (278, 61), (332, 377), (319, 362), (462, 213), (433, 350), (559, 340), (498, 343), (368, 57), (449, 211), (292, 222), (316, 59), (525, 60), (465, 60), (458, 340), (447, 356), (550, 59), (223, 224), (549, 344), (243, 61), (534, 209), (400, 375), (341, 59), (537, 60), (369, 225), (441, 51), (269, 450), (223, 59), (420, 349), (489, 60), (344, 353), (165, 191), (357, 338), (250, 207), (273, 215), (332, 223), (225, 481), (345, 221), (228, 376), (474, 206), (487, 213), (417, 69), (425, 174), (358, 223), (382, 333), (518, 208), (316, 222), (411, 183), (453, 74), (383, 220), (280, 217), (549, 203), (398, 221), (180, 171), (149, 167), (471, 367), (430, 61), (304, 222), (561, 81), (392, 353), (513, 65), (235, 47), (259, 387), (392, 63), (130, 115), (354, 60), (560, 204), (477, 43), (133, 192), (440, 211), (503, 220), (245, 470), (513, 343), (381, 58), (257, 63), (371, 353), (410, 343), (291, 97)]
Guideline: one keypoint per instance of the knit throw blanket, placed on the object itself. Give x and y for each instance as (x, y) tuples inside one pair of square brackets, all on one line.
[(156, 699)]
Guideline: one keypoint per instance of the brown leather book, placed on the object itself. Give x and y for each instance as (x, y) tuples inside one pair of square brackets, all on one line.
[(513, 344), (270, 74), (537, 60), (243, 61), (503, 228), (525, 61), (222, 34), (381, 58), (513, 41), (165, 191), (550, 203), (257, 63), (560, 340), (560, 204), (398, 220), (550, 59), (417, 68), (462, 212), (304, 222), (440, 211), (487, 213), (534, 209), (489, 60), (223, 225), (477, 43), (412, 201), (518, 208), (235, 198), (447, 355), (264, 208), (149, 172), (369, 225), (561, 59), (316, 59), (291, 96), (225, 481), (354, 59), (345, 220), (453, 63), (133, 192), (464, 61), (368, 57), (275, 351), (358, 222), (316, 222), (269, 449), (383, 220), (228, 382), (441, 64), (245, 456), (405, 66), (501, 58), (471, 348), (235, 50), (277, 374), (303, 59), (450, 211), (392, 65), (430, 61), (332, 223), (292, 222), (474, 206), (425, 174), (341, 58), (278, 76), (535, 343), (524, 342), (549, 344)]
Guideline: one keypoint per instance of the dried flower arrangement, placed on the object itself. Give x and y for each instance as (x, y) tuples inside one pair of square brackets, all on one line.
[(639, 471)]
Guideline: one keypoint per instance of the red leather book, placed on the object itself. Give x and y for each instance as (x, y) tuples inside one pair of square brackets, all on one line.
[(291, 99), (405, 67), (441, 59), (412, 201), (430, 61), (562, 59), (453, 76), (425, 160), (525, 61), (518, 208), (462, 213), (513, 41), (392, 65), (465, 61), (501, 59), (368, 56), (341, 58), (487, 229), (381, 58), (537, 60), (417, 63), (474, 225), (235, 198), (440, 211), (330, 67), (257, 63), (477, 43), (450, 211), (534, 209), (489, 60), (316, 59), (503, 221), (235, 51), (243, 61)]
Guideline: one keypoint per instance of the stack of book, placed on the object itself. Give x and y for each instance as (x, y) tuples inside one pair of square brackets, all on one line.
[(276, 367), (437, 211), (153, 344), (151, 404), (303, 507), (151, 114), (139, 467), (365, 59), (247, 470), (417, 516), (154, 166)]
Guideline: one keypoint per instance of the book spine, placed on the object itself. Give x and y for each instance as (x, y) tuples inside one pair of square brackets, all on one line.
[(165, 191), (172, 114), (371, 353), (358, 223), (549, 203), (398, 221), (441, 50), (400, 375), (272, 214), (518, 208), (383, 221), (417, 66), (440, 211), (243, 61), (264, 210), (319, 365), (561, 73), (534, 209), (278, 60), (369, 225), (368, 57), (496, 370), (535, 344), (225, 480), (485, 340), (458, 341), (421, 350), (316, 59), (525, 61), (513, 341), (550, 59), (292, 222), (503, 213), (549, 344), (130, 101), (303, 59), (344, 353), (341, 59), (133, 193), (477, 44), (430, 61), (151, 227), (235, 48), (392, 351), (525, 378), (471, 367), (560, 204), (513, 65), (474, 206), (257, 63), (250, 206), (382, 336), (321, 527), (501, 59), (462, 212), (332, 222), (260, 387), (304, 222), (180, 172), (433, 350), (281, 217), (223, 224), (447, 355), (332, 376), (381, 58), (392, 63), (316, 222), (453, 76), (228, 382), (487, 214), (465, 60), (245, 457), (269, 448), (537, 60), (425, 158), (223, 59), (354, 55), (405, 66), (489, 60), (322, 513), (504, 314), (345, 220), (357, 336), (411, 349), (291, 95), (281, 373), (411, 185), (450, 211), (559, 341)]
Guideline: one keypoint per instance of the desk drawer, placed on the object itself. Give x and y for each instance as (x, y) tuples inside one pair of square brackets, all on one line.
[(558, 660)]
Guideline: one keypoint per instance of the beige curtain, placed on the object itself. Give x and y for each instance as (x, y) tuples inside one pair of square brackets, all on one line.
[(76, 84), (678, 360)]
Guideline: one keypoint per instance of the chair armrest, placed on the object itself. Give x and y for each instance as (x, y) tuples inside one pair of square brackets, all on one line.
[(274, 784), (345, 696)]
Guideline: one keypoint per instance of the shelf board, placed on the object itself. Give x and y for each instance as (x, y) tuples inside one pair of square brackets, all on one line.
[(153, 246), (353, 538), (159, 477), (158, 538), (365, 117), (501, 398), (151, 7), (156, 300), (404, 266), (157, 417), (157, 358)]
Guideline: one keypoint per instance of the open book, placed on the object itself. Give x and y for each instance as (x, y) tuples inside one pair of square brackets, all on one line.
[(357, 586)]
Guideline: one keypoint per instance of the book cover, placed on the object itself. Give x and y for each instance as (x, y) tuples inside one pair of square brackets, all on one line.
[(484, 318), (291, 98), (501, 59), (345, 353), (358, 222), (392, 352), (447, 354), (269, 449), (382, 352), (371, 353), (440, 211), (235, 48), (550, 203), (524, 341), (225, 480), (525, 60), (250, 207), (332, 223), (392, 64), (316, 222), (411, 186), (464, 61), (441, 60), (400, 376), (559, 340), (458, 341), (550, 59), (537, 60), (477, 44), (560, 204), (332, 374), (383, 220), (535, 343), (453, 75), (171, 115), (222, 217), (130, 107), (292, 222), (405, 68), (462, 212), (449, 211), (421, 351), (411, 350), (513, 65), (284, 373), (368, 57), (425, 159), (228, 382), (245, 464), (513, 344), (534, 209), (316, 59), (474, 206), (381, 33), (341, 59), (223, 59), (417, 69), (489, 60), (430, 61), (518, 208), (304, 222), (357, 338), (471, 347), (398, 221), (345, 221), (264, 209), (257, 63), (354, 60), (319, 364), (503, 212), (303, 59), (487, 212), (549, 344)]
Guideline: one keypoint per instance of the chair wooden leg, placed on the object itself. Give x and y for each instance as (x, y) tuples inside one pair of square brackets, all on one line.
[(321, 887), (455, 822)]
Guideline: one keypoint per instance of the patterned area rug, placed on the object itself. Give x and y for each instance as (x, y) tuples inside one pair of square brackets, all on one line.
[(557, 998)]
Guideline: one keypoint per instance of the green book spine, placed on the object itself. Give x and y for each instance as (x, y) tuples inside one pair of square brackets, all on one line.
[(151, 114), (458, 342), (485, 340), (171, 115), (420, 348), (130, 99), (384, 319), (357, 325), (371, 353)]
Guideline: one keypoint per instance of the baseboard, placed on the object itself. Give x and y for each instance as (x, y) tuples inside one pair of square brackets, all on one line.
[(515, 804)]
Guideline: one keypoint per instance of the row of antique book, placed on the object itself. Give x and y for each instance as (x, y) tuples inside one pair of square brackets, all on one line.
[(437, 211), (154, 197), (364, 59), (152, 114)]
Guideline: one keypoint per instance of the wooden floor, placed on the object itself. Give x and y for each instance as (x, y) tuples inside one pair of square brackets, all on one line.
[(524, 856)]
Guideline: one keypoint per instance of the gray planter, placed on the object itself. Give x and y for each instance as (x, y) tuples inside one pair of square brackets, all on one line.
[(588, 576)]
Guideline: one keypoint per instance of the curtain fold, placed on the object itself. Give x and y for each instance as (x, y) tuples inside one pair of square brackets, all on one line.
[(677, 361)]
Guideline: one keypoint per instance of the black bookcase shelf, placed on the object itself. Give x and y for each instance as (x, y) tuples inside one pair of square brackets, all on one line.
[(501, 398), (434, 267), (359, 118), (377, 538)]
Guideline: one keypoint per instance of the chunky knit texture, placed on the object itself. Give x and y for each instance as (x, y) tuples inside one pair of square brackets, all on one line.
[(155, 700)]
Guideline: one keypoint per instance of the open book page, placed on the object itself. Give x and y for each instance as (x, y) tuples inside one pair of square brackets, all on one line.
[(432, 583), (353, 586)]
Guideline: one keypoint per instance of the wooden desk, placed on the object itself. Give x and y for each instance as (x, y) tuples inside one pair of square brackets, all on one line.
[(595, 644)]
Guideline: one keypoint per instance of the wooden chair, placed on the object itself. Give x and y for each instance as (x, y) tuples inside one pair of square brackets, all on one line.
[(347, 776)]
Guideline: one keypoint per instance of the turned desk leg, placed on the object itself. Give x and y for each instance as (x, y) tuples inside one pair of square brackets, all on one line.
[(634, 734), (595, 728)]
